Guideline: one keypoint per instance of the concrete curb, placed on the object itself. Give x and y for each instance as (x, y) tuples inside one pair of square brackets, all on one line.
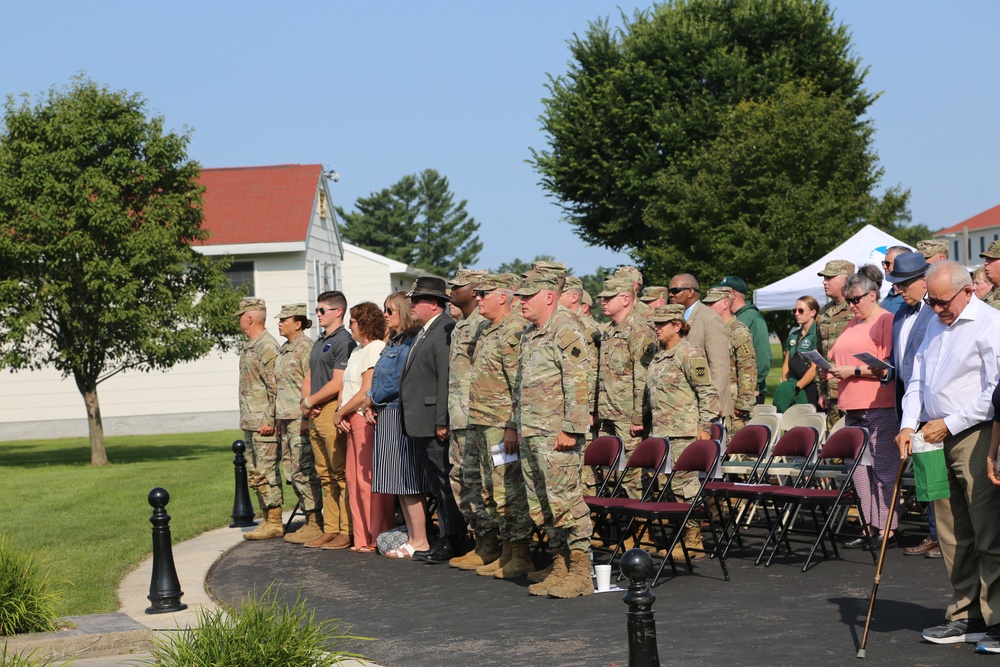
[(95, 635)]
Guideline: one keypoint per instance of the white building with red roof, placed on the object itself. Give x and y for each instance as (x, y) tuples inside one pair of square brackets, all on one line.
[(279, 226), (972, 236)]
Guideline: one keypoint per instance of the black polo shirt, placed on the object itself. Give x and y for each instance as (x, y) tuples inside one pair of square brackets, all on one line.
[(329, 354)]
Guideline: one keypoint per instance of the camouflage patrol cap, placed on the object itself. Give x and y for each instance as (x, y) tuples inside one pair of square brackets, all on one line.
[(931, 247), (533, 282), (250, 304), (557, 269), (654, 292), (837, 267), (630, 273), (494, 281), (572, 282), (616, 285), (466, 277), (291, 310), (718, 294), (736, 283), (992, 250), (674, 311), (587, 299)]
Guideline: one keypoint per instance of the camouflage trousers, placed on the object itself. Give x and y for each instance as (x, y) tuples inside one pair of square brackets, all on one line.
[(555, 491), (684, 484), (298, 463), (262, 468), (504, 495), (467, 481), (633, 482)]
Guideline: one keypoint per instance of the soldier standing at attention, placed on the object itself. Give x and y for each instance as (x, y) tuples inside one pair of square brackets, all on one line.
[(320, 400), (464, 476), (830, 323), (257, 394), (742, 362), (655, 296), (991, 267), (572, 299), (293, 429), (682, 401), (550, 410), (627, 347), (634, 276), (494, 371)]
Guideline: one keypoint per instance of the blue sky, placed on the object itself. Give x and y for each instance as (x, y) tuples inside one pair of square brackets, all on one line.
[(377, 90)]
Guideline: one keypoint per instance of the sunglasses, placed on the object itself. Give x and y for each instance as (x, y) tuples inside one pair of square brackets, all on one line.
[(324, 311), (938, 303), (801, 311), (678, 290), (388, 310), (855, 300)]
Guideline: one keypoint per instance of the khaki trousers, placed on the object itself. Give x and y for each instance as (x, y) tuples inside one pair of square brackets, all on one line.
[(968, 529), (330, 453)]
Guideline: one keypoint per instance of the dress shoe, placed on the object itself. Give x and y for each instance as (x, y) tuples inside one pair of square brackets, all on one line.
[(441, 552), (877, 542), (922, 548), (856, 543), (934, 553)]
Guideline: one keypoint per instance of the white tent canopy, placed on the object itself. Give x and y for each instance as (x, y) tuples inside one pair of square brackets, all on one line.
[(868, 246)]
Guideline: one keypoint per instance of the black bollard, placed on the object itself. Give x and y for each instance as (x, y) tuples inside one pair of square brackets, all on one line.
[(242, 507), (637, 566), (164, 588)]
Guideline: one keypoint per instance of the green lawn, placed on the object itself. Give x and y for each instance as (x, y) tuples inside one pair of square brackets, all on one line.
[(774, 377), (92, 524)]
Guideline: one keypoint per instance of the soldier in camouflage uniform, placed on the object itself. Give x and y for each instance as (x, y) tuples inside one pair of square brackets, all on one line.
[(654, 296), (633, 275), (742, 360), (572, 299), (257, 394), (933, 250), (465, 478), (830, 323), (494, 372), (627, 347), (292, 428), (550, 410), (991, 267), (682, 401)]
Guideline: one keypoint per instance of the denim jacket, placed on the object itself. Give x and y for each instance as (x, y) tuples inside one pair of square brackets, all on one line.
[(388, 370)]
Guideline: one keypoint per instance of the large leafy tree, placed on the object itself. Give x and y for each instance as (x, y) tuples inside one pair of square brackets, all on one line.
[(714, 137), (417, 221), (99, 207)]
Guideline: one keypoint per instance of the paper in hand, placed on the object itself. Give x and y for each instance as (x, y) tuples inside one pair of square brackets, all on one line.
[(817, 358), (500, 457), (873, 361)]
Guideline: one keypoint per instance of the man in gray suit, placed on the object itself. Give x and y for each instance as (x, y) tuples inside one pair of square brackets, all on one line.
[(423, 393), (708, 333)]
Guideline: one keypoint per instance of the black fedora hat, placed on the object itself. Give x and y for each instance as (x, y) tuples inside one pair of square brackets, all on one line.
[(906, 266), (429, 286)]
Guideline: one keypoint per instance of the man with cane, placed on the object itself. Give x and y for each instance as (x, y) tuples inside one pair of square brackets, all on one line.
[(949, 400)]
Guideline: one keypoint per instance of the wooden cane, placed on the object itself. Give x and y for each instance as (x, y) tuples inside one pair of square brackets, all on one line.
[(881, 557)]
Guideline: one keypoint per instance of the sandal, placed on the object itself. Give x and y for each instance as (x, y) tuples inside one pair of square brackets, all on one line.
[(368, 549), (404, 551)]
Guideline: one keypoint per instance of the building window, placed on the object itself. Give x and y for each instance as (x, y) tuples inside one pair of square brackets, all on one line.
[(982, 243), (957, 258), (322, 205), (240, 274)]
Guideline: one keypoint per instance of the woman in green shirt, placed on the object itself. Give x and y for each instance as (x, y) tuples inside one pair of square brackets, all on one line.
[(798, 375)]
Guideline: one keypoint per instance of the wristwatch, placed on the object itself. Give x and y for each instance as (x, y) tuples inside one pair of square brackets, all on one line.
[(857, 371)]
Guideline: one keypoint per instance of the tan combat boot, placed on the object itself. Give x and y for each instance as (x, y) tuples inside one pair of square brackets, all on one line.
[(560, 569), (539, 575), (692, 540), (308, 532), (577, 581), (487, 550), (505, 553), (269, 528), (519, 564)]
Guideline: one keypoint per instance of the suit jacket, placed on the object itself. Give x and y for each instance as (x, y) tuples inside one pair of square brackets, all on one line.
[(904, 369), (710, 334), (423, 387)]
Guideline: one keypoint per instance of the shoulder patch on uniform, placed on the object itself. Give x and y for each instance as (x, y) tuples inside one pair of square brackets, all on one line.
[(575, 352), (566, 338), (700, 371), (649, 349)]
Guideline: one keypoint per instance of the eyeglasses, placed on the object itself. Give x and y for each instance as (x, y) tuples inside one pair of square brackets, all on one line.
[(678, 290), (938, 303), (855, 300), (483, 293), (388, 310), (801, 311), (324, 311), (887, 265), (906, 284)]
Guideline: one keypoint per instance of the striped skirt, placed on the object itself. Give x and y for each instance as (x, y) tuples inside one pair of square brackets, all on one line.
[(875, 482), (394, 466)]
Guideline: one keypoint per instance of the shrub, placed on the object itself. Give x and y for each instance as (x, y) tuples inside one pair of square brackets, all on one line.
[(261, 631), (27, 603), (11, 659)]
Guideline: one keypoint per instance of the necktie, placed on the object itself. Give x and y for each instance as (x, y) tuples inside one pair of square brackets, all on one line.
[(409, 356)]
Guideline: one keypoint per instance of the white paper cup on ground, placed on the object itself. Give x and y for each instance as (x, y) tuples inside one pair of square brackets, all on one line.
[(603, 577)]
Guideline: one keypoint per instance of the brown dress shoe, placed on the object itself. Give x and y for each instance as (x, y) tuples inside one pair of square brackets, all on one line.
[(935, 552), (325, 538), (339, 541), (922, 548)]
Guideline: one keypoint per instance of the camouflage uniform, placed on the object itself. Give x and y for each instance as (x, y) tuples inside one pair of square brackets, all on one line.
[(992, 298), (494, 373), (627, 347), (682, 400), (292, 430), (830, 323), (550, 397), (742, 375), (466, 480), (257, 395)]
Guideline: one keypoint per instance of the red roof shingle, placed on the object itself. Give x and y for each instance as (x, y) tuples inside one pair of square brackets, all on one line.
[(259, 204), (988, 218)]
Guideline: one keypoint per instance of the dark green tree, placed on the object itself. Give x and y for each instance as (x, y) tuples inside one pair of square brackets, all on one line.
[(519, 266), (98, 210), (417, 221), (714, 137)]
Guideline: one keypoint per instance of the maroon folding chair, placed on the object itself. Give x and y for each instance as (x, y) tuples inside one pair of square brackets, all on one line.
[(651, 454), (751, 441), (847, 444), (798, 444), (665, 520), (604, 454)]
